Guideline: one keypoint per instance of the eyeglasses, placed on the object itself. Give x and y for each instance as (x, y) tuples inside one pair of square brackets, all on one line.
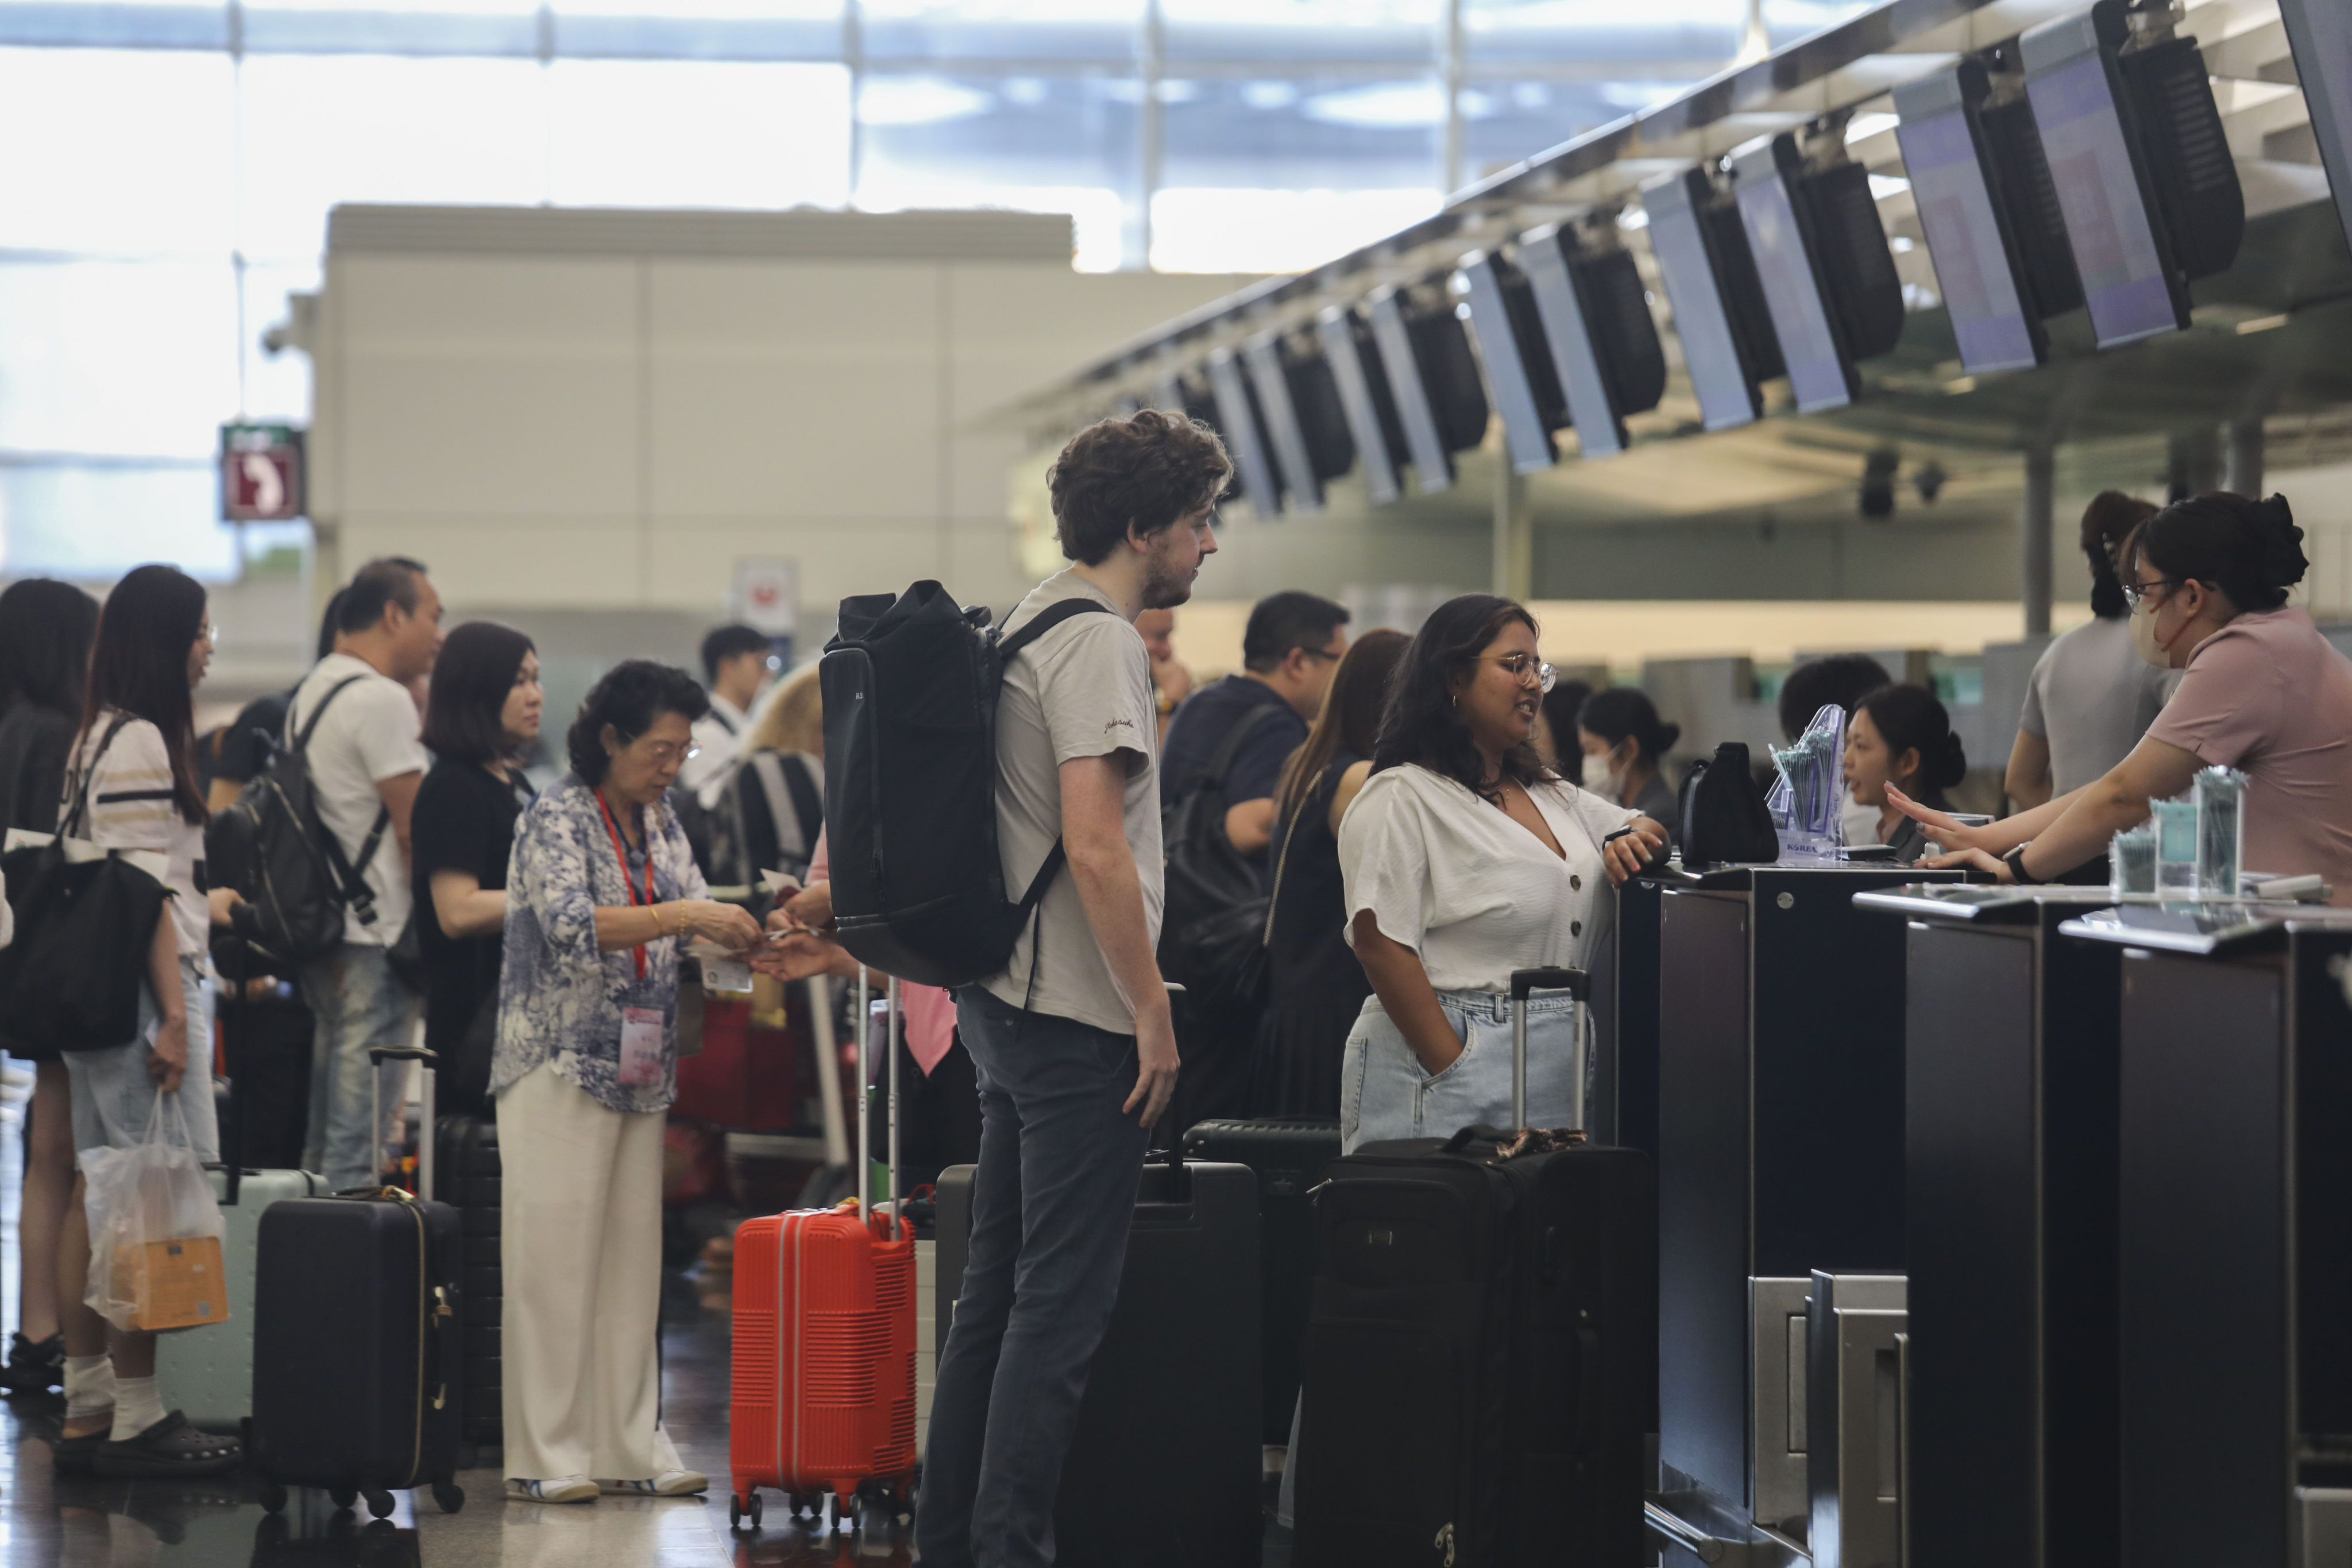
[(2134, 593), (1522, 666), (661, 753)]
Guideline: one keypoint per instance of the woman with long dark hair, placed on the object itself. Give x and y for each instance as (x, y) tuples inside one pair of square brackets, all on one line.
[(45, 628), (481, 714), (1900, 741), (1315, 987), (2261, 690), (1465, 859), (134, 761)]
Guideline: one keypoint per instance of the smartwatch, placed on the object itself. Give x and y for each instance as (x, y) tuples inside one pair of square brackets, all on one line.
[(2015, 861)]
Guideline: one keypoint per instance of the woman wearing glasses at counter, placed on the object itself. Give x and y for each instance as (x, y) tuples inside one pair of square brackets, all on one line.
[(2261, 690), (1465, 859)]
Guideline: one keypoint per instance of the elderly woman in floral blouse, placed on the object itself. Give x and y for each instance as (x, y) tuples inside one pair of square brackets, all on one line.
[(601, 891)]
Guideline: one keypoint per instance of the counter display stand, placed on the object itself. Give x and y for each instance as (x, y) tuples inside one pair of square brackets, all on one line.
[(1780, 1145), (2009, 1226), (2234, 1338)]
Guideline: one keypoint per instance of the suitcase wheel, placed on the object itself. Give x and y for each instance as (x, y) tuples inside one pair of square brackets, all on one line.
[(449, 1495), (273, 1497), (344, 1497), (379, 1502), (738, 1510)]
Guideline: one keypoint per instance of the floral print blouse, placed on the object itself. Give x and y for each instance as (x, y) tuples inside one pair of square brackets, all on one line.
[(560, 1000)]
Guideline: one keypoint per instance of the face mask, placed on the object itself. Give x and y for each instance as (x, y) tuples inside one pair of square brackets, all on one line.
[(1599, 777), (2143, 639)]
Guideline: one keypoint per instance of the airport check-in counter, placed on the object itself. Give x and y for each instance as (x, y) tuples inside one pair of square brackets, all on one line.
[(2010, 1060), (1779, 1042), (2234, 1258)]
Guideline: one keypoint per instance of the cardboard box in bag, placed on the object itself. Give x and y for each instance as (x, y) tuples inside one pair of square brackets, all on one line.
[(181, 1283)]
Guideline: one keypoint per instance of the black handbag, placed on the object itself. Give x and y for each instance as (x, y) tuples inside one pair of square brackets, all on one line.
[(1724, 818), (1214, 922), (85, 928)]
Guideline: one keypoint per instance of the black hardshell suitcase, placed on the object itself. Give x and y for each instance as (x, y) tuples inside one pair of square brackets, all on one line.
[(1164, 1470), (1288, 1155), (467, 1175), (1479, 1354), (357, 1300)]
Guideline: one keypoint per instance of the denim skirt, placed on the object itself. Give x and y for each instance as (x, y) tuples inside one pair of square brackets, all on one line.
[(1384, 1091)]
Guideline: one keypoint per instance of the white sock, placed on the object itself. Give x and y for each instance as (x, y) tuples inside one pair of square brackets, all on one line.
[(137, 1406), (90, 1386)]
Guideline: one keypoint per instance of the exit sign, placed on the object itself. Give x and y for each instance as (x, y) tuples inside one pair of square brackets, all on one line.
[(262, 473)]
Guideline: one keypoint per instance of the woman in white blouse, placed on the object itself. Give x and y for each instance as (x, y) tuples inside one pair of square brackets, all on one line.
[(1465, 859)]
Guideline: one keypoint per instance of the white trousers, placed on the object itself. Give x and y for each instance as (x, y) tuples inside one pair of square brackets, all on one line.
[(580, 1254)]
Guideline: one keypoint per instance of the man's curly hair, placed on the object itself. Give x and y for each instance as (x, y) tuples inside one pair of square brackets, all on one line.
[(1147, 471)]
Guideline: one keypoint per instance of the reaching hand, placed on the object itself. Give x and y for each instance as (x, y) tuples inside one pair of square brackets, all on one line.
[(811, 907), (1942, 826), (798, 956), (1970, 860), (1626, 855), (728, 925)]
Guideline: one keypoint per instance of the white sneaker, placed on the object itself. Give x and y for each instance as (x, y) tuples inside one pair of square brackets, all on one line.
[(563, 1489), (669, 1483)]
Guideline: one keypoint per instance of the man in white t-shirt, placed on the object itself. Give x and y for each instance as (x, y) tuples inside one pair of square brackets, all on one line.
[(737, 663), (1075, 1053), (366, 763)]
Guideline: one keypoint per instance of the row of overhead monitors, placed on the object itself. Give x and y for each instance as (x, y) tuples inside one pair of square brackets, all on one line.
[(2082, 165)]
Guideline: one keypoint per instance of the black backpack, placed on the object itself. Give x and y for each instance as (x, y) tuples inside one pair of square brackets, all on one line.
[(1724, 819), (1212, 924), (271, 846), (910, 685)]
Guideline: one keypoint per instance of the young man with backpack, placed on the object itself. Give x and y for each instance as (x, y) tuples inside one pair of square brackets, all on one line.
[(365, 762), (1075, 1053)]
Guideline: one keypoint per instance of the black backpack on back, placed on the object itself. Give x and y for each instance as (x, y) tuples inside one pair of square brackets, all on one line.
[(1213, 927), (1724, 819), (271, 846), (911, 683)]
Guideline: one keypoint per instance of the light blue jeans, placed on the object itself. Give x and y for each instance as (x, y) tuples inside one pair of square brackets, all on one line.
[(114, 1094), (358, 1004), (1384, 1091)]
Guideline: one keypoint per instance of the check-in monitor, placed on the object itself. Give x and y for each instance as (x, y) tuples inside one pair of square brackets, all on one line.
[(1819, 371), (1262, 358), (1604, 342), (1242, 426), (1519, 373), (2070, 77), (1690, 254), (1362, 384), (2320, 33), (1434, 376), (1975, 269)]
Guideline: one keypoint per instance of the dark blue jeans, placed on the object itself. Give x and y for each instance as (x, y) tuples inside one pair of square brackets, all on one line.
[(1051, 1206)]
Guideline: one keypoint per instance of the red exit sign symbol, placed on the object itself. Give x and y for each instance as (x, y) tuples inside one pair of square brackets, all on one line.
[(262, 473)]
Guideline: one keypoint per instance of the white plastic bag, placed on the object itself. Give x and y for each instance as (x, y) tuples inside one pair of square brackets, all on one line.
[(154, 1231)]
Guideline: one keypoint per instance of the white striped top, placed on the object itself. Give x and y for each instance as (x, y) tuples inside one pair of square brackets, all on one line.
[(131, 807)]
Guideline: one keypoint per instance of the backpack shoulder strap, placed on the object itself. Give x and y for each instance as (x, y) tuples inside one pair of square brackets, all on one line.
[(1044, 621), (302, 741), (83, 775), (1221, 761), (808, 802)]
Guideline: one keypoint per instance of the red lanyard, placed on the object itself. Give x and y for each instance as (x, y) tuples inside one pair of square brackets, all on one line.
[(622, 856)]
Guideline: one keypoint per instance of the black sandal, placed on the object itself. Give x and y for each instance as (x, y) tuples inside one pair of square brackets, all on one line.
[(169, 1447)]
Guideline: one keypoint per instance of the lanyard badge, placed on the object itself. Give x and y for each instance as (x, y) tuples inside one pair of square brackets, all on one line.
[(612, 828)]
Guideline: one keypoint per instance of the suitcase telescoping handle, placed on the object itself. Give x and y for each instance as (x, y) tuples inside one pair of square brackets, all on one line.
[(1577, 984), (892, 1022), (377, 1056)]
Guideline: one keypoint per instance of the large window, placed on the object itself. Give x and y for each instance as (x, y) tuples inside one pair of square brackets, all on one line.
[(166, 168)]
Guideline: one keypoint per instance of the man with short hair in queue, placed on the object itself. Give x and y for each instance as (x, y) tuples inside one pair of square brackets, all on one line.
[(736, 664), (1075, 1055), (1290, 648), (365, 761)]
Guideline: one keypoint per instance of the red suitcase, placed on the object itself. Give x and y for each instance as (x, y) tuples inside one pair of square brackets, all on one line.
[(823, 1388), (745, 1077)]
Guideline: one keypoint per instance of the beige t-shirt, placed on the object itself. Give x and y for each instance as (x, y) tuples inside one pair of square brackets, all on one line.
[(1083, 690)]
